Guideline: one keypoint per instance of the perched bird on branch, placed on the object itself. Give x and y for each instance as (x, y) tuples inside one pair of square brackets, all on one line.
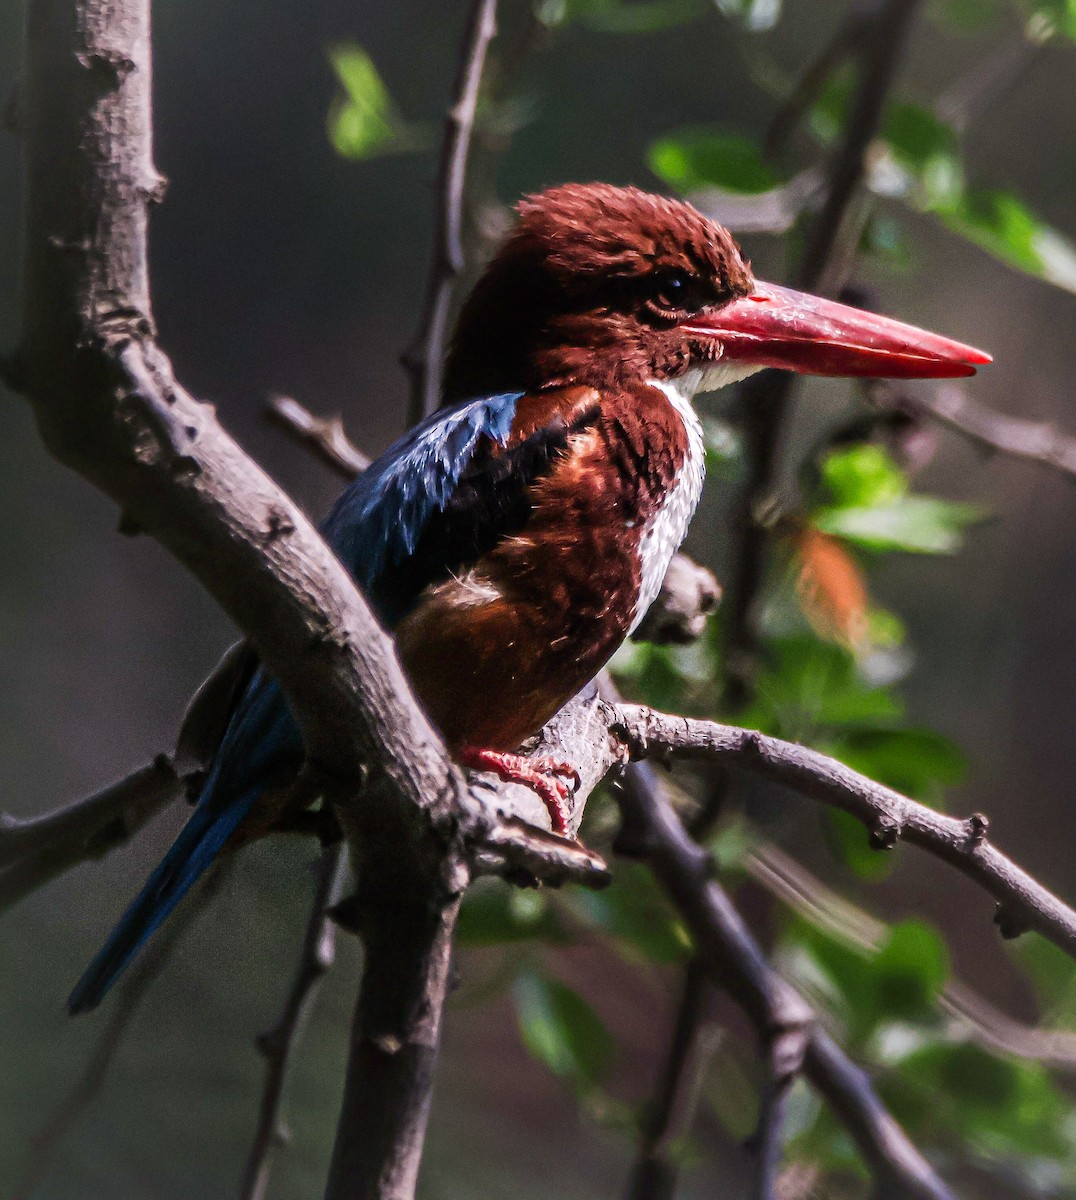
[(516, 537)]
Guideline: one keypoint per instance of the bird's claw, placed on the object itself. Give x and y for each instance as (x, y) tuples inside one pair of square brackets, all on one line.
[(542, 775)]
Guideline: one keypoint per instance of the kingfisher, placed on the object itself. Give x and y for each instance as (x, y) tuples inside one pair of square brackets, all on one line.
[(515, 538)]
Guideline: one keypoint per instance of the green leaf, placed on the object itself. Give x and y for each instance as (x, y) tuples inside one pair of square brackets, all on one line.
[(1002, 225), (1006, 1106), (756, 15), (967, 16), (561, 1030), (899, 982), (363, 122), (916, 762), (495, 914), (652, 672), (883, 238), (812, 685), (700, 156), (862, 475), (635, 912), (914, 524), (850, 843), (925, 148), (910, 971), (1059, 15), (1053, 976)]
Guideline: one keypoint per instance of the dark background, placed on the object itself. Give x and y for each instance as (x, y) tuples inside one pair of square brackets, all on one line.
[(278, 265)]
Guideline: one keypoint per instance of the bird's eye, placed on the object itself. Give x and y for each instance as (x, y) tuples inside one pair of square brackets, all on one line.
[(676, 291)]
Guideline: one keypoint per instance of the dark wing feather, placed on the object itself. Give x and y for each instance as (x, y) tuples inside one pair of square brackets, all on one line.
[(433, 503), (442, 497)]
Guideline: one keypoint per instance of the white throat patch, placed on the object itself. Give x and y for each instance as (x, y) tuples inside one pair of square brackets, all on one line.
[(668, 527)]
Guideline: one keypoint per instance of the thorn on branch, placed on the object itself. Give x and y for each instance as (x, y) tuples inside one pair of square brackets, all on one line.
[(278, 526), (977, 826), (884, 832), (1010, 923), (751, 742), (154, 190)]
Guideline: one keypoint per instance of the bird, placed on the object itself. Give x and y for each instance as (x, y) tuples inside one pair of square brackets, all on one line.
[(512, 540)]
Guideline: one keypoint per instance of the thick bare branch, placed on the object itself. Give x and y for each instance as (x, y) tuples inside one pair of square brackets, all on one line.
[(423, 358), (108, 406)]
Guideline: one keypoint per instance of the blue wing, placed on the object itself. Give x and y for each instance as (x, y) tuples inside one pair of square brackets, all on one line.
[(401, 525)]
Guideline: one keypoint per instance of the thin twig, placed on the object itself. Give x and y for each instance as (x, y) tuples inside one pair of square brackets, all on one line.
[(654, 834), (424, 356), (278, 1045), (974, 93), (996, 433), (846, 41), (889, 817), (324, 435), (33, 852), (767, 1143), (131, 994), (653, 1174)]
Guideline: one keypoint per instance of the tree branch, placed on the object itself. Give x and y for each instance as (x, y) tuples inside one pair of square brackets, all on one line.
[(996, 433), (848, 40), (653, 1174), (108, 406), (423, 358), (33, 852), (316, 958), (1023, 902), (653, 833), (324, 435)]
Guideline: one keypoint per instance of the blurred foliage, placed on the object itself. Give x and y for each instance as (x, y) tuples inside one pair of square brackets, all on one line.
[(832, 661), (363, 120), (830, 674)]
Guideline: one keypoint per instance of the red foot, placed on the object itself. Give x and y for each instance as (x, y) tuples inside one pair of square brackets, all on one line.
[(541, 774)]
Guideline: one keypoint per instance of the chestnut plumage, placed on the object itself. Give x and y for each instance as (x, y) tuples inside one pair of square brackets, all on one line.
[(515, 538)]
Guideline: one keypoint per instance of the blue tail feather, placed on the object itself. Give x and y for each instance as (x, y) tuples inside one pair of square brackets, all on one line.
[(197, 846)]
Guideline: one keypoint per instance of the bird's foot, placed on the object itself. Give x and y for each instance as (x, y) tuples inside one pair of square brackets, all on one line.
[(555, 782)]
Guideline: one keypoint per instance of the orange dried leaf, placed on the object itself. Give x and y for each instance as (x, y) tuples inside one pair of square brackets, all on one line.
[(831, 589)]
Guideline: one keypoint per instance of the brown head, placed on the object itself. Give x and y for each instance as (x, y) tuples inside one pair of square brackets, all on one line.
[(610, 286)]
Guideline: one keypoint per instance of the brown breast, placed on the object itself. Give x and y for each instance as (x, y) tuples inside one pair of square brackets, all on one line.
[(494, 654)]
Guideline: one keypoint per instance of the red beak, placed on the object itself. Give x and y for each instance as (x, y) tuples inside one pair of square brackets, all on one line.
[(778, 327)]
